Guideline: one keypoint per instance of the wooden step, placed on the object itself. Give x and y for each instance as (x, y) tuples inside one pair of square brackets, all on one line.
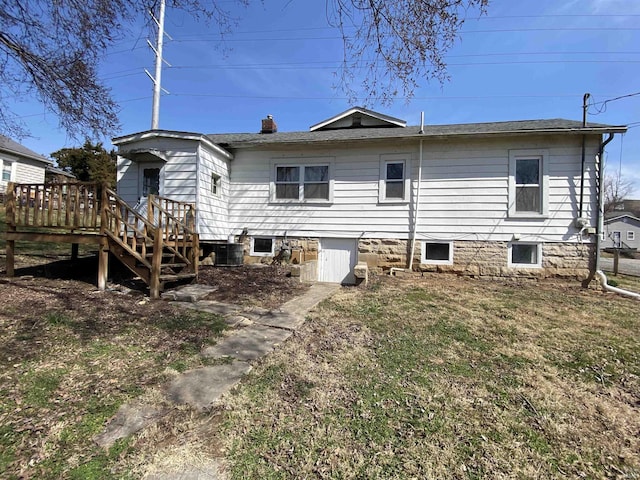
[(173, 265), (176, 277)]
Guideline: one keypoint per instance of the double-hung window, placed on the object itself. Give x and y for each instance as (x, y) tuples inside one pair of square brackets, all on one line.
[(302, 183), (528, 183), (7, 167), (394, 179)]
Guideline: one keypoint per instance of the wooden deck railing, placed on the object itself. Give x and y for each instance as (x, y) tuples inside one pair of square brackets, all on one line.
[(177, 223), (66, 206), (132, 231)]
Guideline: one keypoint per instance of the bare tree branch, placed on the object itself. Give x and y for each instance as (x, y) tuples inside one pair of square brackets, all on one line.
[(50, 50), (616, 189), (397, 42)]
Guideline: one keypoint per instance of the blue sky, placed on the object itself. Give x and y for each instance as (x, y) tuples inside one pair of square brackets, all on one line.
[(526, 59)]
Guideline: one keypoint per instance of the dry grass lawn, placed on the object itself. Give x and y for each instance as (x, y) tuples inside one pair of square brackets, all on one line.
[(441, 377), (422, 377)]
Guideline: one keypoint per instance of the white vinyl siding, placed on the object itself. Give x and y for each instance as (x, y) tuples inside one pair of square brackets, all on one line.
[(213, 208), (464, 191)]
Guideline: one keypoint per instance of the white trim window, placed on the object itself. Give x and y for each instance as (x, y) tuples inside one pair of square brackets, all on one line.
[(437, 253), (631, 235), (394, 179), (528, 183), (262, 246), (302, 183), (7, 170), (525, 254), (215, 184)]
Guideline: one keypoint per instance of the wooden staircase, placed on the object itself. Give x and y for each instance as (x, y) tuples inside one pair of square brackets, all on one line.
[(160, 247)]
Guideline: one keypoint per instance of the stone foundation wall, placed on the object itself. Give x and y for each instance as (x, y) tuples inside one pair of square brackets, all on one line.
[(473, 258), (480, 258)]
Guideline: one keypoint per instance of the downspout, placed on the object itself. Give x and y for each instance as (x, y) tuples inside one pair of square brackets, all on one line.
[(415, 220), (599, 210)]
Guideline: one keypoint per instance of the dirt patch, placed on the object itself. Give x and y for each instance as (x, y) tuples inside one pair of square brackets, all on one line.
[(257, 285), (264, 286)]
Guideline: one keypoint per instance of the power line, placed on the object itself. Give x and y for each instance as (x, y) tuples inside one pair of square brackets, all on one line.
[(601, 107), (214, 39)]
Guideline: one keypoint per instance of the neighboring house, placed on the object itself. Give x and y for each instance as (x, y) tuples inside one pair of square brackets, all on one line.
[(57, 175), (497, 199), (621, 231), (19, 164)]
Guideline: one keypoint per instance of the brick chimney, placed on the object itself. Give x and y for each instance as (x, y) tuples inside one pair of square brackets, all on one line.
[(268, 125)]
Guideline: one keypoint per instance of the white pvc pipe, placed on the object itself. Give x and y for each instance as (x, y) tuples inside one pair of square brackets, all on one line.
[(609, 288), (417, 203)]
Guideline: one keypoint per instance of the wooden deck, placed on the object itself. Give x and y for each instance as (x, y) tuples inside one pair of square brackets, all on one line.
[(159, 247)]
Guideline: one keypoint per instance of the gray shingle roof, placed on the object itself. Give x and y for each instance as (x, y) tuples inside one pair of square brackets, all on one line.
[(9, 146), (238, 140)]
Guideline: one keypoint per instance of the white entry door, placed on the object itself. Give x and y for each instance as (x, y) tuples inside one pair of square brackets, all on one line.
[(336, 259)]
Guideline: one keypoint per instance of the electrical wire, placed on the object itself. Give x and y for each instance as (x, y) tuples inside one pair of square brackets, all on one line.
[(601, 107)]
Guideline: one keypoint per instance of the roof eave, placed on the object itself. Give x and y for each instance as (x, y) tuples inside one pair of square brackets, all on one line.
[(441, 136), (197, 137)]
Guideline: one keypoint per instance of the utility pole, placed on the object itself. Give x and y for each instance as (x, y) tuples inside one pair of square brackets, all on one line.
[(156, 79)]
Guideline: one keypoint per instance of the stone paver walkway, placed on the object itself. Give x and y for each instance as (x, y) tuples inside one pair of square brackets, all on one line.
[(257, 332)]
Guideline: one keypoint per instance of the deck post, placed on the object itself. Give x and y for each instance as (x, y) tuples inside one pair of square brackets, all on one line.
[(103, 252), (74, 251), (103, 264), (10, 211), (156, 263)]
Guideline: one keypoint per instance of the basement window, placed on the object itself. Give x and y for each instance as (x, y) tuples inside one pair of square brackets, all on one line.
[(525, 255), (262, 246), (437, 253)]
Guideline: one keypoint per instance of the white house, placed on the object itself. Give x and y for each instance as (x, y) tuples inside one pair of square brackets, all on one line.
[(498, 199), (621, 231), (19, 164)]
